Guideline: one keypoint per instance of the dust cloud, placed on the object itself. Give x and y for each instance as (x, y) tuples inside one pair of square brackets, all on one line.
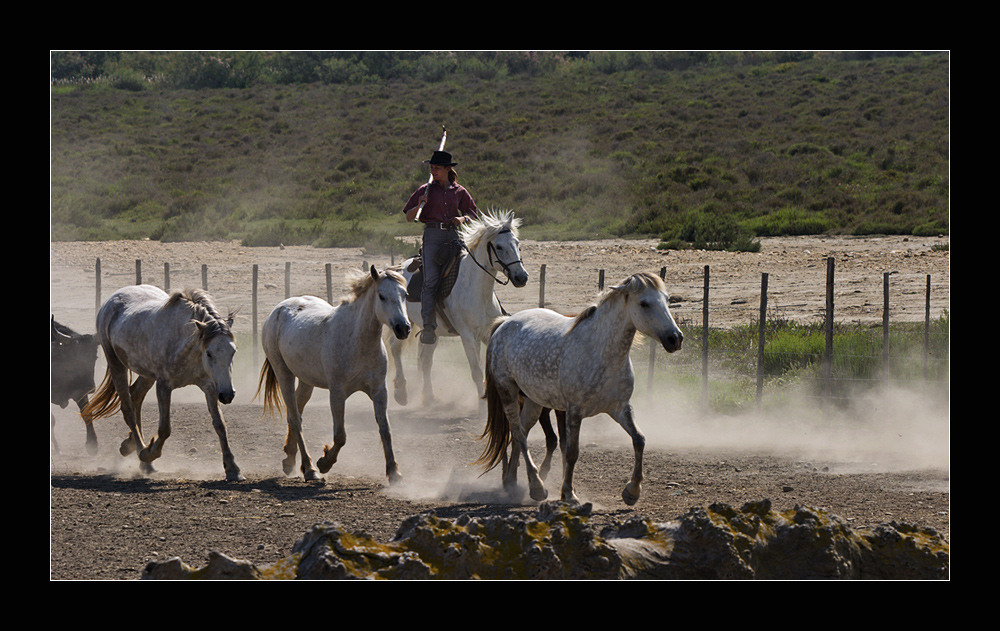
[(437, 445)]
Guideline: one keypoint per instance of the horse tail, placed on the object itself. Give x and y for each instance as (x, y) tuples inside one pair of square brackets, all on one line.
[(105, 401), (497, 431), (269, 383)]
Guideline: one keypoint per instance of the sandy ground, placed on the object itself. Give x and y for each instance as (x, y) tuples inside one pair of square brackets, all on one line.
[(886, 458)]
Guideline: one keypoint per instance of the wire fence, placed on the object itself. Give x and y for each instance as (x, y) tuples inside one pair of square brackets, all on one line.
[(830, 361)]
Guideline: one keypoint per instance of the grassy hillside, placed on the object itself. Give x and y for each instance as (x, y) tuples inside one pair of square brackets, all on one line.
[(597, 145)]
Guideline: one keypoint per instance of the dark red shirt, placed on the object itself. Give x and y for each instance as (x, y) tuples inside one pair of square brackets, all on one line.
[(443, 204)]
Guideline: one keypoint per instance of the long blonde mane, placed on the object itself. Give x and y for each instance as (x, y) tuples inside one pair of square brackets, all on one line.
[(203, 310), (634, 284), (489, 224), (360, 281)]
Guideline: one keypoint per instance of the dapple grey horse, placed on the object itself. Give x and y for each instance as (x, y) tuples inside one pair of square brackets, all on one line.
[(172, 341), (579, 365)]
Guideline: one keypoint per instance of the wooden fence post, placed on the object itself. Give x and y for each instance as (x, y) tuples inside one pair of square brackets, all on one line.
[(166, 277), (97, 295), (760, 338), (828, 353), (927, 324), (253, 312), (885, 327), (288, 279), (704, 341), (204, 276), (138, 271), (541, 287), (329, 283)]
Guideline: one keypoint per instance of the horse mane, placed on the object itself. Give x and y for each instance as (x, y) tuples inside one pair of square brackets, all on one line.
[(203, 310), (360, 281), (489, 224), (632, 285)]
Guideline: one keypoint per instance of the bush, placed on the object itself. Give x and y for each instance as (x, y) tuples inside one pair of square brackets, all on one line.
[(789, 221), (705, 231)]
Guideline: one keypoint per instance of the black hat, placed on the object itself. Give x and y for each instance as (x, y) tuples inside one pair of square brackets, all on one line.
[(441, 158)]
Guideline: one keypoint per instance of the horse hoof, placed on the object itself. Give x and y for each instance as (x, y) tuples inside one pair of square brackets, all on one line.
[(630, 496), (235, 476), (127, 447), (539, 493), (312, 476), (288, 466), (325, 465), (400, 395), (394, 477), (92, 447)]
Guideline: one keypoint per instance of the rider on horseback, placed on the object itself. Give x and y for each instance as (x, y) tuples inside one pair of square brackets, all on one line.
[(442, 205)]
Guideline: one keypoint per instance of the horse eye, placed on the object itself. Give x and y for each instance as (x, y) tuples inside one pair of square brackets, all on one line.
[(644, 304)]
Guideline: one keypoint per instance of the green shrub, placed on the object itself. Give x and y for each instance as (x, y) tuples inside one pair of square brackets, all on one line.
[(789, 221)]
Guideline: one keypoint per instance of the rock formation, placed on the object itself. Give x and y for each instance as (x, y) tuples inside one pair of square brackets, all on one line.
[(717, 543)]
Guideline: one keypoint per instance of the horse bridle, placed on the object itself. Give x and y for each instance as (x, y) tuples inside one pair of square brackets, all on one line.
[(491, 252)]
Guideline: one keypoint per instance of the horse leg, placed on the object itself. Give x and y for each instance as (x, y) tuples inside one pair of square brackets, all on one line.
[(551, 442), (632, 490), (233, 473), (425, 359), (399, 379), (130, 399), (154, 449), (471, 346), (523, 422), (52, 434), (571, 451), (380, 398), (91, 434), (329, 458), (295, 402)]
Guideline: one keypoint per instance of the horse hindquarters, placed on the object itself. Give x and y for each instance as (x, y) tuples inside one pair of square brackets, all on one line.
[(504, 428)]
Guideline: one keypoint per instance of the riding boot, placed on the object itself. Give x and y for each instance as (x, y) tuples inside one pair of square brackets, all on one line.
[(427, 335)]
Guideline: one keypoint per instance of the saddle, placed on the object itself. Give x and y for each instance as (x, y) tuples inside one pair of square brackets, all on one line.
[(449, 259)]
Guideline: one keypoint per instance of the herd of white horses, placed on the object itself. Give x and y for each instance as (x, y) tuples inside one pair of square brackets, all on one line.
[(536, 359)]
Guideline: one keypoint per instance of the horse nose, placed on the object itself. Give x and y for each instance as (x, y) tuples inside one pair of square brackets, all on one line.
[(227, 396), (402, 331), (520, 280), (672, 341)]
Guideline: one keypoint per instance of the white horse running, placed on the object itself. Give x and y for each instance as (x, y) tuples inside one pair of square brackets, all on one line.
[(580, 365), (173, 341), (472, 306), (337, 348)]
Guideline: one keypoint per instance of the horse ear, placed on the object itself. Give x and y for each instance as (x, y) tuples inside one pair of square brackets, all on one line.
[(374, 273)]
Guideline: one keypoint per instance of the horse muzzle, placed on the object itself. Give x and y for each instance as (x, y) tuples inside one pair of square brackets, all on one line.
[(672, 342), (226, 396), (401, 331), (519, 279)]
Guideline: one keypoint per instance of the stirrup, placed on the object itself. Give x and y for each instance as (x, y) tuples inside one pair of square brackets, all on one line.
[(427, 336)]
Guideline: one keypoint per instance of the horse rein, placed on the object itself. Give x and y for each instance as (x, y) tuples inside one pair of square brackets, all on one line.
[(491, 251)]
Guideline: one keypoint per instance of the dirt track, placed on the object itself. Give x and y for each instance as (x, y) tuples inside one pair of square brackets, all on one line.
[(886, 460)]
